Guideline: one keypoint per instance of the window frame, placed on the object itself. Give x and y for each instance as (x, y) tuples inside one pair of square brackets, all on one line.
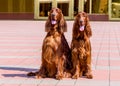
[(110, 11)]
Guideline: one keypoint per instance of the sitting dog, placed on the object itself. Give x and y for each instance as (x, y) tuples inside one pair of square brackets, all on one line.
[(81, 46), (56, 57)]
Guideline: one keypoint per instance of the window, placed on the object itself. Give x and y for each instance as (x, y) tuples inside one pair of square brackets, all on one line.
[(115, 9), (100, 6), (76, 6), (64, 7), (44, 9)]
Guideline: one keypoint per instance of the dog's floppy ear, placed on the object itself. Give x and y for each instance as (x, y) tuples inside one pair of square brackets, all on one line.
[(48, 23), (88, 28), (63, 24)]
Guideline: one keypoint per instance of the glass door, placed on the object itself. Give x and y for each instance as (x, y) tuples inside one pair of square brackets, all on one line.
[(65, 6), (114, 10), (87, 6), (94, 6), (42, 8)]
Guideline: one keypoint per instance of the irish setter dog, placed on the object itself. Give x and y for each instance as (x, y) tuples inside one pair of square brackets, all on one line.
[(56, 57), (81, 46)]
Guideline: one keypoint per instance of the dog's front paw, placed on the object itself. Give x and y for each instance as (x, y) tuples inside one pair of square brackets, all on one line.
[(59, 77), (67, 75), (38, 77), (89, 76), (76, 76)]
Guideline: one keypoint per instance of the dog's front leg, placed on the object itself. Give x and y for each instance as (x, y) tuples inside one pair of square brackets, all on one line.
[(76, 66), (41, 73), (77, 71), (88, 66), (60, 68), (88, 60)]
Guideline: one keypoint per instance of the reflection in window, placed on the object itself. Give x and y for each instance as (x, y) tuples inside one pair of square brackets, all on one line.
[(100, 6), (115, 8), (76, 2), (86, 6), (116, 1), (44, 9), (64, 7)]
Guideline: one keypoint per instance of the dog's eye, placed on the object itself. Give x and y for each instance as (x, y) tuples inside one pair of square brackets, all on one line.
[(84, 14), (57, 10), (51, 11)]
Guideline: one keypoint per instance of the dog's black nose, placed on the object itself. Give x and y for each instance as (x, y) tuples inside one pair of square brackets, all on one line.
[(81, 21), (52, 14)]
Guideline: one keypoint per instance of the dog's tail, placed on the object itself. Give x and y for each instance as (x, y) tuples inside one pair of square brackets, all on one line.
[(32, 73)]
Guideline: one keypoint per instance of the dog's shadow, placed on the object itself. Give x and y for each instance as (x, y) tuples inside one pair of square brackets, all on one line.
[(18, 71)]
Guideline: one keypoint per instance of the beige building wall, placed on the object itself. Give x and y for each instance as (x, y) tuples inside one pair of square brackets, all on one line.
[(16, 6)]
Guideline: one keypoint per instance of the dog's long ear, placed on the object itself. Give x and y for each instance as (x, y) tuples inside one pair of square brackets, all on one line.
[(75, 32), (63, 24), (48, 23), (88, 28)]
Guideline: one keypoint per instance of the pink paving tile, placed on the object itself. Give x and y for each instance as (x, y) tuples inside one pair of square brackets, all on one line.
[(94, 54), (20, 61), (113, 42), (19, 53), (11, 61), (10, 84), (12, 68), (20, 42), (115, 63), (95, 49), (13, 73), (29, 85), (100, 74), (31, 61), (95, 44), (20, 47), (59, 85), (114, 54), (115, 75), (102, 63), (104, 48), (1, 76), (20, 38), (103, 54), (3, 61)]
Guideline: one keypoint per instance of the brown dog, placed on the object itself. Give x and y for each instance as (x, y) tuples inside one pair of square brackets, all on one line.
[(56, 58), (81, 47)]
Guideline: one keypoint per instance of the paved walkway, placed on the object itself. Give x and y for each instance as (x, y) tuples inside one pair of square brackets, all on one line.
[(20, 52)]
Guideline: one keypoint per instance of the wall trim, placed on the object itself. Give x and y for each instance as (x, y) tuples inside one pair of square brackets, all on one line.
[(17, 16)]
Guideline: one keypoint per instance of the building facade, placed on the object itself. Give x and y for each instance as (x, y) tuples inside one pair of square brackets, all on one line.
[(98, 10)]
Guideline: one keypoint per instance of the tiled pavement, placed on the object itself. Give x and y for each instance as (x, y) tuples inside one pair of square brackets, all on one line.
[(20, 52)]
